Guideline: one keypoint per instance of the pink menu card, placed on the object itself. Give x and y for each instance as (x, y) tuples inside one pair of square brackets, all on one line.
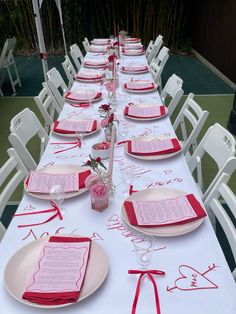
[(144, 112), (177, 210), (39, 182), (152, 146), (59, 273), (73, 125), (139, 85)]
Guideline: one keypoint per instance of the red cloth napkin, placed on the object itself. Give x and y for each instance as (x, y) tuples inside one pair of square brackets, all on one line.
[(81, 105), (81, 178), (199, 210), (57, 130), (91, 63), (88, 77), (162, 113), (150, 86), (134, 69), (57, 298), (174, 141), (74, 96)]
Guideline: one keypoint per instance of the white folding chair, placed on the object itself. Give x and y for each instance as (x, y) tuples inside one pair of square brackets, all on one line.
[(221, 197), (76, 55), (12, 173), (218, 144), (149, 48), (48, 106), (155, 48), (189, 123), (24, 127), (69, 70), (157, 65), (7, 63), (173, 89), (57, 85), (86, 44)]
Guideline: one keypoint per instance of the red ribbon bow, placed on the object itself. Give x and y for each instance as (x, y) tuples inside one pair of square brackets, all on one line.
[(50, 210), (150, 274)]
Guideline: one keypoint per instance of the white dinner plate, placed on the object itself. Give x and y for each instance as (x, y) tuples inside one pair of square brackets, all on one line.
[(21, 264), (133, 53), (74, 135), (146, 119), (133, 71), (95, 65), (157, 157), (132, 40), (66, 168), (156, 194), (137, 91)]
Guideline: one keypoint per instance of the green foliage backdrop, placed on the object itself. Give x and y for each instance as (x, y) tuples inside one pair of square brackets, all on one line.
[(93, 18)]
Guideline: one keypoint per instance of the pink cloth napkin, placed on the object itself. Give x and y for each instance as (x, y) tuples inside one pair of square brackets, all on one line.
[(174, 141), (60, 297), (162, 113), (58, 130), (80, 97), (139, 85), (195, 211)]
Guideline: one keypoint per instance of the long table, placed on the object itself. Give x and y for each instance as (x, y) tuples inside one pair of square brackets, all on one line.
[(197, 278)]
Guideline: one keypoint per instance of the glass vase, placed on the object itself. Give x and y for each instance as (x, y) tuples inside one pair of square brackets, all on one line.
[(99, 203)]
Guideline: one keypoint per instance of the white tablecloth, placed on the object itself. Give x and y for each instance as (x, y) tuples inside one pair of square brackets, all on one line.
[(197, 278)]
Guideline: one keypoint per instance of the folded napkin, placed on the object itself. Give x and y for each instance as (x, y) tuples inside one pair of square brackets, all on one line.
[(70, 130), (95, 63), (131, 39), (81, 96), (140, 68), (154, 147), (133, 52), (173, 211), (101, 41), (88, 76), (139, 85), (144, 112), (81, 105), (59, 274), (38, 182)]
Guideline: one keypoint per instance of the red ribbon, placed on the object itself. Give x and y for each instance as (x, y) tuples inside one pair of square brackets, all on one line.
[(150, 274), (50, 210), (77, 144)]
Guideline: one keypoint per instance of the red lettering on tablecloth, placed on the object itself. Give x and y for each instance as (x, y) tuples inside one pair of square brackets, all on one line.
[(191, 279), (163, 182), (116, 224), (95, 235), (167, 171), (29, 207)]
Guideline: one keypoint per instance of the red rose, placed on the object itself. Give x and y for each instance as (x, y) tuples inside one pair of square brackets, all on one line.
[(111, 118), (98, 159), (111, 58), (88, 162)]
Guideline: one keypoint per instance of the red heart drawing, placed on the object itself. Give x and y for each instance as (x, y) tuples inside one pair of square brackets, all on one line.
[(191, 279), (96, 236)]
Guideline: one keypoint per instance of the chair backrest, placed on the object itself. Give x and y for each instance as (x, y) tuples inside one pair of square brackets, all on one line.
[(7, 51), (173, 88), (86, 44), (221, 202), (189, 122), (57, 85), (25, 126), (157, 64), (219, 144), (149, 48), (76, 55), (69, 70), (48, 106), (155, 49), (12, 173)]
